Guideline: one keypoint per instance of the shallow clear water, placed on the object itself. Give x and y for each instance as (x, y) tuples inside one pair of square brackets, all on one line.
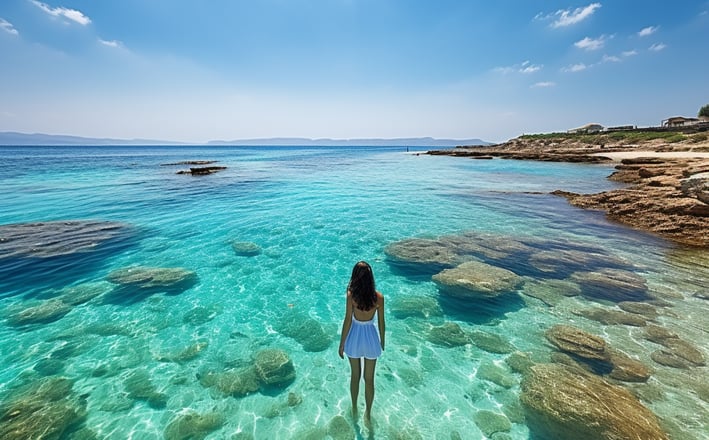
[(313, 212)]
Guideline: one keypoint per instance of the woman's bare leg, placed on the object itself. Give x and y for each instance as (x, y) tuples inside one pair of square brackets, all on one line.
[(369, 366), (356, 374)]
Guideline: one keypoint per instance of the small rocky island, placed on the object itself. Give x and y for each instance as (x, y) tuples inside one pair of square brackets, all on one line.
[(667, 173), (197, 171)]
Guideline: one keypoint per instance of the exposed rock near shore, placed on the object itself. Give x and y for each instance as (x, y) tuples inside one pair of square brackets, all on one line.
[(668, 196)]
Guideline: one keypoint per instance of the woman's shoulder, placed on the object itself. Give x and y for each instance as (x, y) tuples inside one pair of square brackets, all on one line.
[(380, 298)]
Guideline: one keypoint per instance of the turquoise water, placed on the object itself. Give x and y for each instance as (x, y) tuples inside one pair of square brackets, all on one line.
[(313, 213)]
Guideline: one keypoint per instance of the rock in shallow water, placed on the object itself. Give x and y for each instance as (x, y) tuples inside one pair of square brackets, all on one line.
[(151, 277), (274, 367), (52, 239), (193, 425), (477, 280), (563, 403), (578, 342), (448, 335), (245, 248), (42, 312), (612, 284)]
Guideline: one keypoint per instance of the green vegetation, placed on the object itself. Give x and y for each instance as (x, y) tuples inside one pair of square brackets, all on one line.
[(629, 137), (704, 111), (697, 138)]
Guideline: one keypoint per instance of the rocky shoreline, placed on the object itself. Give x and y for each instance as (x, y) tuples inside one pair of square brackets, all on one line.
[(667, 195)]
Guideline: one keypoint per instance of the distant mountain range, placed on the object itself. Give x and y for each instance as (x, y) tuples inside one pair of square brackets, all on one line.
[(24, 139)]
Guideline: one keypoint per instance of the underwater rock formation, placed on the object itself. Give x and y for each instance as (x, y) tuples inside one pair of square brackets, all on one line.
[(563, 403), (151, 277), (612, 317), (245, 248), (477, 280), (237, 383), (140, 387), (274, 367), (448, 335), (578, 342), (57, 238), (41, 312), (42, 409), (422, 252), (491, 342), (415, 307), (193, 425), (612, 284), (307, 331), (491, 422)]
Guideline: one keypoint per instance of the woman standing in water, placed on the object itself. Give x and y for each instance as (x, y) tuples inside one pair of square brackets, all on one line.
[(360, 338)]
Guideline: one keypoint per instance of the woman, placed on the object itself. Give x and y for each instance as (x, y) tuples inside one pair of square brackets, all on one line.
[(360, 338)]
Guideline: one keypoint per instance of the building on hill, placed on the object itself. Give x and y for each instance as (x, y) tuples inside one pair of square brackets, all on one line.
[(588, 128), (681, 121)]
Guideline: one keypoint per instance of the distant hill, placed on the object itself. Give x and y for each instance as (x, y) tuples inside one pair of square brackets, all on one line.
[(24, 139), (364, 142)]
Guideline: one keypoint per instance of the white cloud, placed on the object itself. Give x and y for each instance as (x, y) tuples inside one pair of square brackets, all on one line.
[(71, 14), (630, 53), (591, 43), (111, 43), (658, 47), (543, 84), (8, 27), (576, 68), (611, 59), (644, 32), (568, 17), (525, 67)]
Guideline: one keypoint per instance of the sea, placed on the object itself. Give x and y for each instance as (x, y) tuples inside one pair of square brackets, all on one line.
[(139, 303)]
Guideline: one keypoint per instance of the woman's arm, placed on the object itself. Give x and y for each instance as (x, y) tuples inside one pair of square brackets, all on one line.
[(346, 324), (380, 316)]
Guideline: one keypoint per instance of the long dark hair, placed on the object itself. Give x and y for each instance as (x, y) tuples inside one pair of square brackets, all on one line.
[(362, 286)]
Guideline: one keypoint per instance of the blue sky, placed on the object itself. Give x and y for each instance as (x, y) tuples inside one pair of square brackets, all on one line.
[(228, 69)]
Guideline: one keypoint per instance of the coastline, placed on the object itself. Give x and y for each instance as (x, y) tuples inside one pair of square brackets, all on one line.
[(668, 179)]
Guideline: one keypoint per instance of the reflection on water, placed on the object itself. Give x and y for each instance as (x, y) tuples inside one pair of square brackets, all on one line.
[(215, 312)]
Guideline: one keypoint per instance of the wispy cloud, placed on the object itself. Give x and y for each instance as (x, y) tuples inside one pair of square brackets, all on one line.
[(543, 84), (630, 53), (657, 47), (568, 17), (579, 67), (111, 43), (71, 14), (644, 32), (525, 67), (610, 59), (8, 27), (591, 43), (528, 67)]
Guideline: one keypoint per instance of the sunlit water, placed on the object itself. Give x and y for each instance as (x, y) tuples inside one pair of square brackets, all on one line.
[(313, 212)]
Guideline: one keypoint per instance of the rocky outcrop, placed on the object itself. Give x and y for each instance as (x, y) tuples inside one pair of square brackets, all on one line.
[(565, 403), (201, 171), (578, 342), (274, 367), (668, 196), (477, 280)]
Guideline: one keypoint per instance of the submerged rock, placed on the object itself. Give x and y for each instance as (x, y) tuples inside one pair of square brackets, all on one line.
[(550, 291), (245, 248), (83, 293), (678, 353), (612, 284), (183, 354), (42, 312), (578, 342), (415, 307), (274, 367), (42, 409), (340, 429), (491, 342), (422, 252), (627, 369), (477, 280), (53, 239), (647, 310), (497, 375), (193, 425), (307, 331), (140, 387), (491, 422), (612, 317), (448, 335), (561, 262), (563, 403), (151, 277), (237, 383)]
